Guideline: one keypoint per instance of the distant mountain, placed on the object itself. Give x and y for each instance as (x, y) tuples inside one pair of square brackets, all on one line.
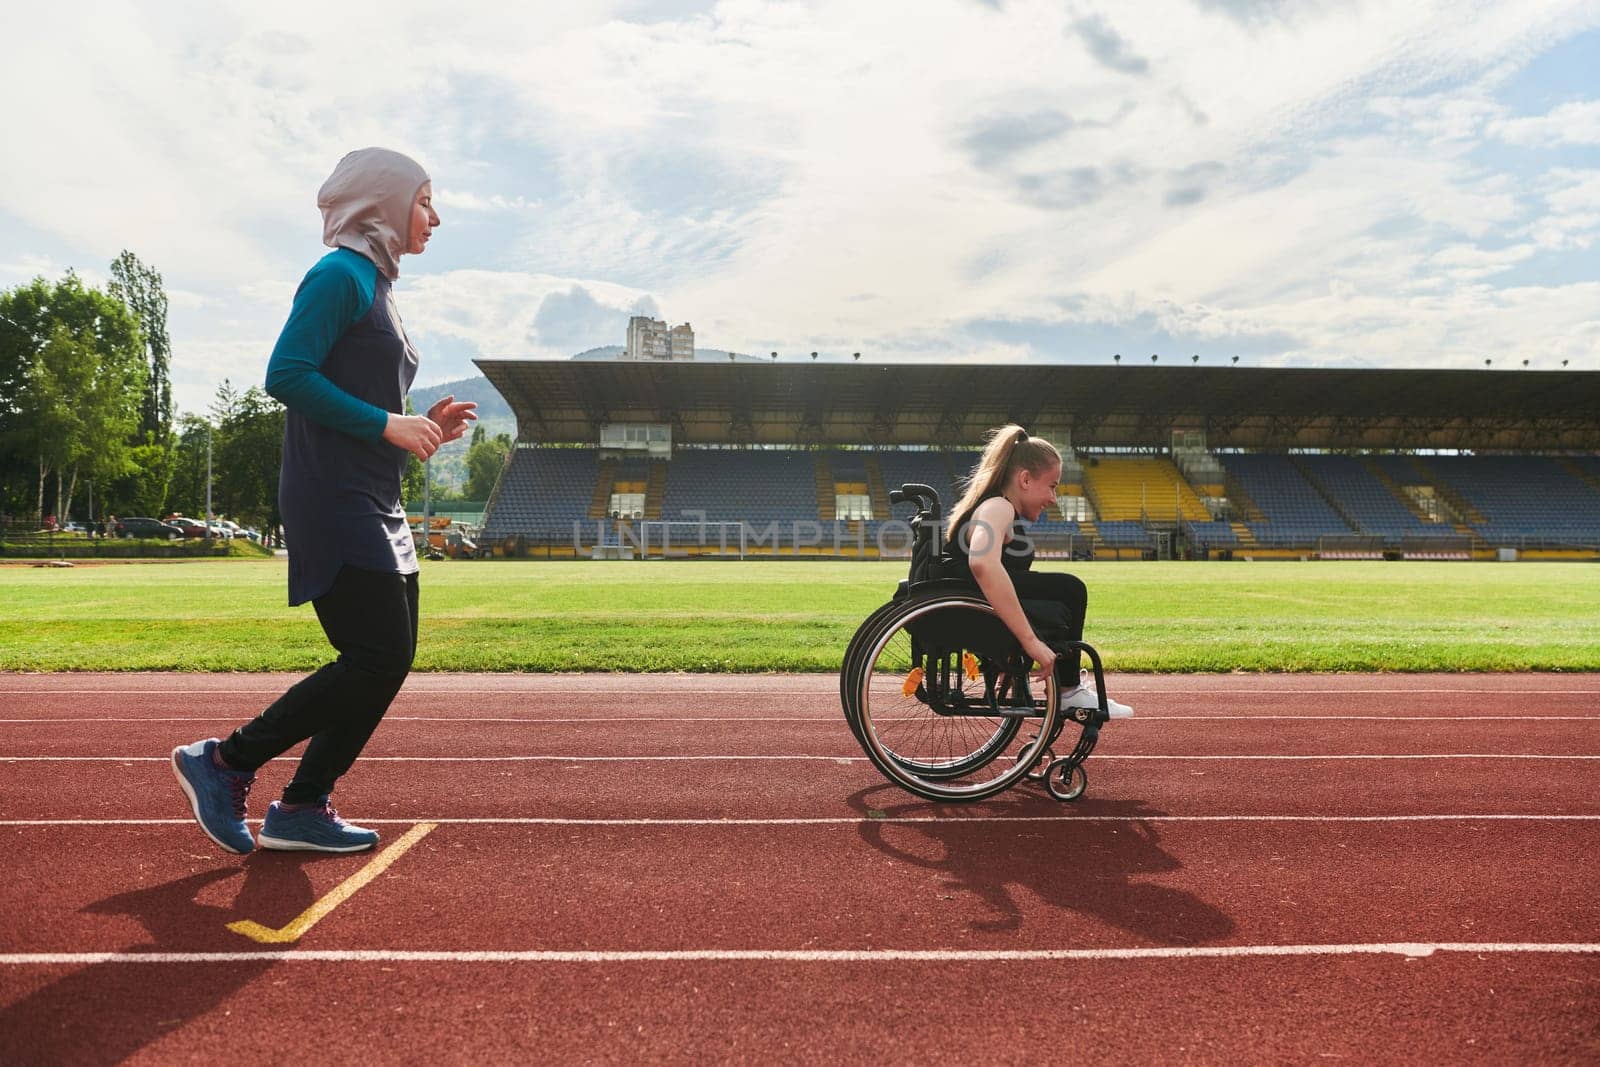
[(490, 403), (603, 352)]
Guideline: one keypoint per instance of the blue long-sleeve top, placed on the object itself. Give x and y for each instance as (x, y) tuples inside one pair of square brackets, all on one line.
[(341, 366), (336, 293)]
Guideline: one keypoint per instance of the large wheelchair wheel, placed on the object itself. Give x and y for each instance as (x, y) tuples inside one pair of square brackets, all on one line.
[(849, 674), (937, 692)]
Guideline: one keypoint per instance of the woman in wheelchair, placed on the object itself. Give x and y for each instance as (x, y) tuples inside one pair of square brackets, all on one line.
[(1015, 479), (939, 684)]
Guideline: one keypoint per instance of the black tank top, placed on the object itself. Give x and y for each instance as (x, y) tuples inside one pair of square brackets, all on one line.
[(1016, 555)]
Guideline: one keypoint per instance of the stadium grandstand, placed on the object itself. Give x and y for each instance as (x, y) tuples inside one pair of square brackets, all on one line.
[(750, 459)]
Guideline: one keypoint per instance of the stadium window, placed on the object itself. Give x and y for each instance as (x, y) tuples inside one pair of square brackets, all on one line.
[(623, 504), (850, 506), (1073, 508)]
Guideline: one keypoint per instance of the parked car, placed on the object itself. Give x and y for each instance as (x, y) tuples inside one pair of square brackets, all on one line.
[(189, 527), (138, 526), (223, 529)]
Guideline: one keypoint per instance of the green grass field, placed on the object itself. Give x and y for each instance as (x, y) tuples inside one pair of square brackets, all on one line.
[(781, 616)]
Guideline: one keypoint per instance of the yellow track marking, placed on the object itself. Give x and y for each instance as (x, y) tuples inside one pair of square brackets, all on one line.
[(340, 893)]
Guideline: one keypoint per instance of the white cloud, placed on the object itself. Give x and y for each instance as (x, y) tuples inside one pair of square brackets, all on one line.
[(1469, 262), (25, 268), (1576, 122), (1439, 116), (497, 312), (1572, 216), (1311, 173), (448, 200)]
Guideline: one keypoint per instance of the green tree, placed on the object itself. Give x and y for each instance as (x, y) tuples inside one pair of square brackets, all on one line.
[(245, 458), (485, 459), (411, 487), (73, 360), (144, 489), (44, 425), (94, 413), (139, 287), (24, 329), (224, 403), (187, 489)]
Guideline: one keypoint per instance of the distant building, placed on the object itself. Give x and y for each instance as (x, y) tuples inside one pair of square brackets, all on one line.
[(648, 339), (651, 339), (682, 342)]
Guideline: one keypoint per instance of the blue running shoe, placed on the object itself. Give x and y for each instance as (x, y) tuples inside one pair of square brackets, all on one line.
[(314, 829), (216, 796)]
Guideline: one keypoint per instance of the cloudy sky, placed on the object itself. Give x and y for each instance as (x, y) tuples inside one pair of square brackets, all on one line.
[(1289, 181)]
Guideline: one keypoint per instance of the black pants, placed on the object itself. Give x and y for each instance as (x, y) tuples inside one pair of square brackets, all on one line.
[(371, 620), (1055, 604)]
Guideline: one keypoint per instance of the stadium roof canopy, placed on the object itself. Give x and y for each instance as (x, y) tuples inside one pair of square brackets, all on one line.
[(561, 401)]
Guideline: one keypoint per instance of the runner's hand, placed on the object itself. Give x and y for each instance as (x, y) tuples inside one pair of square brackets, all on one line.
[(452, 417), (416, 434)]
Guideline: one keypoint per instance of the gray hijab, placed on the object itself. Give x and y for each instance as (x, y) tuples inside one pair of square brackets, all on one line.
[(366, 205)]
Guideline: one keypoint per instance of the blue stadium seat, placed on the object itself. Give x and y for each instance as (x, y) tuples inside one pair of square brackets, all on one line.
[(1211, 534), (1296, 515), (1523, 499), (741, 485), (1365, 499), (542, 493)]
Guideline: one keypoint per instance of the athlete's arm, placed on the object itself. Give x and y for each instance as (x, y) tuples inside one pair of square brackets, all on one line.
[(987, 528), (334, 296)]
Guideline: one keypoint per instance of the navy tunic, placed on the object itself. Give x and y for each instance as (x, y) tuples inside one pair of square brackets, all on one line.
[(339, 487)]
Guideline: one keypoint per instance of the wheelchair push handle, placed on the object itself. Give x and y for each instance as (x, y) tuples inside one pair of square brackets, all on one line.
[(924, 496)]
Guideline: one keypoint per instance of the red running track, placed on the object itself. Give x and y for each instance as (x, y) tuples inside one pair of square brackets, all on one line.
[(1407, 875)]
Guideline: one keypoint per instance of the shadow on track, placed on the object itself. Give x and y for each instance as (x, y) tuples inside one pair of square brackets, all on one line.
[(1090, 867), (105, 1013)]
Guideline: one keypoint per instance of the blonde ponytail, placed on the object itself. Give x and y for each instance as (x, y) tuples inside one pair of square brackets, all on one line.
[(1008, 449)]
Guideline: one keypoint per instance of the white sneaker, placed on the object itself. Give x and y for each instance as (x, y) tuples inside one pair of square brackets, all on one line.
[(1084, 697)]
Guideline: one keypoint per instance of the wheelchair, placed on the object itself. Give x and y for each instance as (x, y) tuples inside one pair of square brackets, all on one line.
[(938, 693)]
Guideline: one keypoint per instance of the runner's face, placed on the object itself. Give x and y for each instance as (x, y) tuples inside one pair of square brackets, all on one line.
[(1036, 492), (423, 220)]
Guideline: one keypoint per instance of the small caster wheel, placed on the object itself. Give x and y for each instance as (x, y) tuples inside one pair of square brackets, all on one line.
[(1064, 783)]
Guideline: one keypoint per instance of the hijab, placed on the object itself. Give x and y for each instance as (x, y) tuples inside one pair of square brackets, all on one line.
[(366, 205)]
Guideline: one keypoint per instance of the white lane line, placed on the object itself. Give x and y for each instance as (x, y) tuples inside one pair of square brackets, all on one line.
[(829, 759), (421, 693), (1372, 718), (456, 759), (535, 719), (1410, 949), (856, 820), (821, 689)]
